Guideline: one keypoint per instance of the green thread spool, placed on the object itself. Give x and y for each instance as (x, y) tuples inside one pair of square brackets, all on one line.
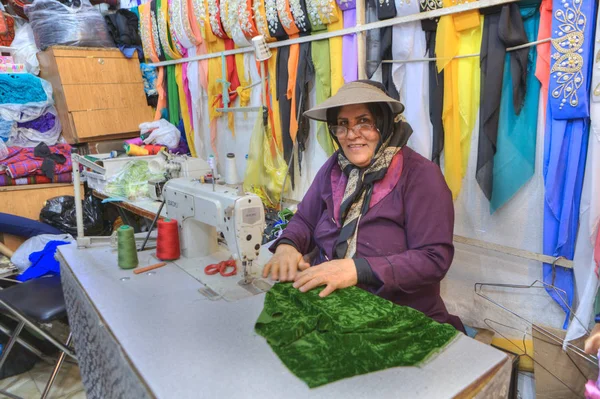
[(127, 251)]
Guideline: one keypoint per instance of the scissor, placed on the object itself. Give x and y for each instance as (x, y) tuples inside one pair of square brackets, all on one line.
[(221, 267)]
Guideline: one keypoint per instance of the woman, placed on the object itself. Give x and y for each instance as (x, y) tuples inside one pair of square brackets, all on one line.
[(378, 215)]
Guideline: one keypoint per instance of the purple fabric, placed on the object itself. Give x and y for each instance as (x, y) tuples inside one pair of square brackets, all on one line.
[(135, 141), (591, 390), (406, 237), (349, 48), (346, 5), (41, 124)]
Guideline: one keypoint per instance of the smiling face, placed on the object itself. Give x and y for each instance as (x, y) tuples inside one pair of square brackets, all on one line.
[(359, 148)]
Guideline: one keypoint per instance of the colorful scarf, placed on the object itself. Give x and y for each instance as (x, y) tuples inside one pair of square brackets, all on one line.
[(359, 188)]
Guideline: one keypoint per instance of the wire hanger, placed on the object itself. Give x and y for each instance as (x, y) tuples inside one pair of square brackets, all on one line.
[(478, 288), (488, 323)]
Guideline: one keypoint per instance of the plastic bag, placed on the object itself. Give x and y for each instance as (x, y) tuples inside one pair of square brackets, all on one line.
[(266, 168), (60, 213), (132, 181), (162, 132), (28, 136), (21, 256), (54, 23), (26, 50)]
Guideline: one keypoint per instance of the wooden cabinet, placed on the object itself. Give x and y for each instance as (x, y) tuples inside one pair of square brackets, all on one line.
[(99, 93)]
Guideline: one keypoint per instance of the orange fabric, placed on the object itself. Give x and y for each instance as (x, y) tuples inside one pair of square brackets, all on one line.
[(276, 121), (248, 26), (260, 17), (291, 89)]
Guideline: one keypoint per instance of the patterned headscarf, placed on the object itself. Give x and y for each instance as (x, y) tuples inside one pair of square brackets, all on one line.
[(394, 133)]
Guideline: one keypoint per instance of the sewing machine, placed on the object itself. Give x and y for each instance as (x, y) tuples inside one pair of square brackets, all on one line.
[(206, 211), (173, 166)]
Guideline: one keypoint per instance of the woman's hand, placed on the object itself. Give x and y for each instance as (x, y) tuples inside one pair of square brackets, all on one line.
[(335, 274), (285, 263), (592, 344)]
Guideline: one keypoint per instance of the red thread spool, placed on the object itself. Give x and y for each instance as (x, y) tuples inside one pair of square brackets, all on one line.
[(167, 242), (153, 149)]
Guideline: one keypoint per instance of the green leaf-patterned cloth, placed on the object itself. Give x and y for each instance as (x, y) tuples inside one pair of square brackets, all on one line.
[(348, 333)]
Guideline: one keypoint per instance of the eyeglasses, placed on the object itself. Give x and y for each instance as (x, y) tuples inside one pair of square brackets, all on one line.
[(363, 129)]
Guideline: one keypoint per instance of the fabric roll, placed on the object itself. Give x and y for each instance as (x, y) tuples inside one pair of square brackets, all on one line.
[(566, 140), (274, 23), (514, 161), (411, 79), (503, 28)]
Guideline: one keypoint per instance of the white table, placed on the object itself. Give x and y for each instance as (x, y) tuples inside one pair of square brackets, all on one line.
[(157, 336)]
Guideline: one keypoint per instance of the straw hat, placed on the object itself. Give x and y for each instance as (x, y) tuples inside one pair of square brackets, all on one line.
[(354, 93)]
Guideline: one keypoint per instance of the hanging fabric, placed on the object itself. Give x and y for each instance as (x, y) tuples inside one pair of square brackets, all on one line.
[(349, 44), (458, 34), (585, 262), (542, 67), (336, 56), (411, 79), (514, 161), (436, 80), (566, 139), (503, 28), (321, 13), (170, 54), (386, 9), (151, 49), (372, 40), (183, 35)]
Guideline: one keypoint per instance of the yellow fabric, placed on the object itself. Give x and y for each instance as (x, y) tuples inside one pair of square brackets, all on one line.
[(458, 109), (329, 18), (274, 102), (469, 73), (335, 53), (260, 15), (243, 93), (185, 112), (214, 73)]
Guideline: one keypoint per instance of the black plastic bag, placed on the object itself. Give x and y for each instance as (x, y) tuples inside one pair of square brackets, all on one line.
[(60, 213)]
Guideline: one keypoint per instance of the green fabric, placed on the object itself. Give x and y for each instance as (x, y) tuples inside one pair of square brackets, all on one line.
[(320, 57), (348, 333)]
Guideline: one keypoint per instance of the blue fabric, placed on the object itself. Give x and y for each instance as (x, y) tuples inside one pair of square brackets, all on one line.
[(42, 262), (5, 127), (514, 161), (129, 51), (21, 88), (566, 137), (23, 227)]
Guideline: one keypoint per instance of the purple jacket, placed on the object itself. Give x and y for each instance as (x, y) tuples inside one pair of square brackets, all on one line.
[(405, 237)]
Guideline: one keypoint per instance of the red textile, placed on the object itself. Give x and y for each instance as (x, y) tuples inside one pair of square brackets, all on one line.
[(21, 162)]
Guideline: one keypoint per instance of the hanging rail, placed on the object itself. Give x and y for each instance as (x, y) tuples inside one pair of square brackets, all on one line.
[(356, 29)]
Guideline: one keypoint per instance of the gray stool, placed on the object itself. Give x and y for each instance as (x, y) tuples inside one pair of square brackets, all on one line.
[(32, 303)]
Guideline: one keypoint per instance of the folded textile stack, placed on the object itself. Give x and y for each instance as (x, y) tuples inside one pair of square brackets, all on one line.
[(27, 111), (38, 165)]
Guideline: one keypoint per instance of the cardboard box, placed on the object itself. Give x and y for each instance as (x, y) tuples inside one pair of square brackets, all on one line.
[(559, 374)]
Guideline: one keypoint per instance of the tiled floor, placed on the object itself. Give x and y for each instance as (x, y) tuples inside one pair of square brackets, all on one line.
[(31, 384)]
